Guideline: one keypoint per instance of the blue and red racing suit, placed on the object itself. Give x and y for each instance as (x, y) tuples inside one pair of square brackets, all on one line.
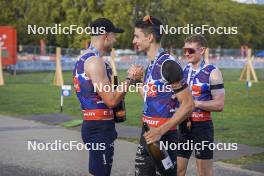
[(98, 121), (202, 130), (199, 85), (159, 107)]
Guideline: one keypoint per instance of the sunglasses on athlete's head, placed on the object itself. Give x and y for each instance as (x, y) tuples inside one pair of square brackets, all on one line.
[(154, 22), (190, 50), (147, 18)]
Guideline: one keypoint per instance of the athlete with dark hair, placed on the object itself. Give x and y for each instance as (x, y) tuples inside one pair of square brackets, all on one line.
[(159, 105)]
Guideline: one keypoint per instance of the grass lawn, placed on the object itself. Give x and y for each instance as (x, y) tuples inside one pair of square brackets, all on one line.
[(241, 121), (256, 158)]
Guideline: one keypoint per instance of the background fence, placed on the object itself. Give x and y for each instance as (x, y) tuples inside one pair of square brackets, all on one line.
[(32, 58)]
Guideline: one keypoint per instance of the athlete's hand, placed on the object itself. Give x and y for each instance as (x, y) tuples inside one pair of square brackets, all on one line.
[(152, 135), (135, 72)]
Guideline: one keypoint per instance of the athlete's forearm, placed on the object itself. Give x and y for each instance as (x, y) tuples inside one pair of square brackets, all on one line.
[(211, 105), (181, 114)]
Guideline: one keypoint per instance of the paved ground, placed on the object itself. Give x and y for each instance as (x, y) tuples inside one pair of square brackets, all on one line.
[(50, 119), (134, 132), (16, 159), (243, 150)]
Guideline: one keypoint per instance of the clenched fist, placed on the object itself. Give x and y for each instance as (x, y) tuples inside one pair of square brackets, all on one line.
[(135, 72)]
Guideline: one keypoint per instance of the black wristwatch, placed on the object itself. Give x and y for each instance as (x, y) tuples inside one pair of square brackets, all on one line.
[(133, 82)]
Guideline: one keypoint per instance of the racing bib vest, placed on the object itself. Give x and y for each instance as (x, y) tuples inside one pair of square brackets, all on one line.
[(91, 103), (199, 84), (159, 106)]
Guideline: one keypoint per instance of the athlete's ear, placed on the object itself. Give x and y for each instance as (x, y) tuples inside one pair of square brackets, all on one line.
[(105, 36), (203, 50), (150, 37)]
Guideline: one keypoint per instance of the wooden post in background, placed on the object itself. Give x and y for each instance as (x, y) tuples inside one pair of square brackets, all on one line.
[(58, 78), (1, 69), (113, 62), (206, 56), (248, 69)]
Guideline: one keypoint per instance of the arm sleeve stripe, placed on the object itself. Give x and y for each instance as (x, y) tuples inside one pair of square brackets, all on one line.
[(217, 86)]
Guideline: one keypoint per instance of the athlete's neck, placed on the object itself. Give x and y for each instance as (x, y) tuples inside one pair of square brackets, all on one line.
[(197, 64), (153, 50), (98, 46)]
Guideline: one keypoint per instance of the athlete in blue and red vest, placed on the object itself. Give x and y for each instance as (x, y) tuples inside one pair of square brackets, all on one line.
[(206, 84), (159, 101), (90, 76)]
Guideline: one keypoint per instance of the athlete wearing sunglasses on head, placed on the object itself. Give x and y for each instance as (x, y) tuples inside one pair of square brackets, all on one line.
[(159, 106), (206, 85)]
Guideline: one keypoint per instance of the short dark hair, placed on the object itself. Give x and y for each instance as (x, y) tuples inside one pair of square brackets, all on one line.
[(197, 38), (152, 25)]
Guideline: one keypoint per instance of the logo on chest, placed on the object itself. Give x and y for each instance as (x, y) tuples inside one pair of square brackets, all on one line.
[(198, 88), (151, 90)]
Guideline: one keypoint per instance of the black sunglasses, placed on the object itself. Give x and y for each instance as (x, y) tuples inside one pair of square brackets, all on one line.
[(190, 50)]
